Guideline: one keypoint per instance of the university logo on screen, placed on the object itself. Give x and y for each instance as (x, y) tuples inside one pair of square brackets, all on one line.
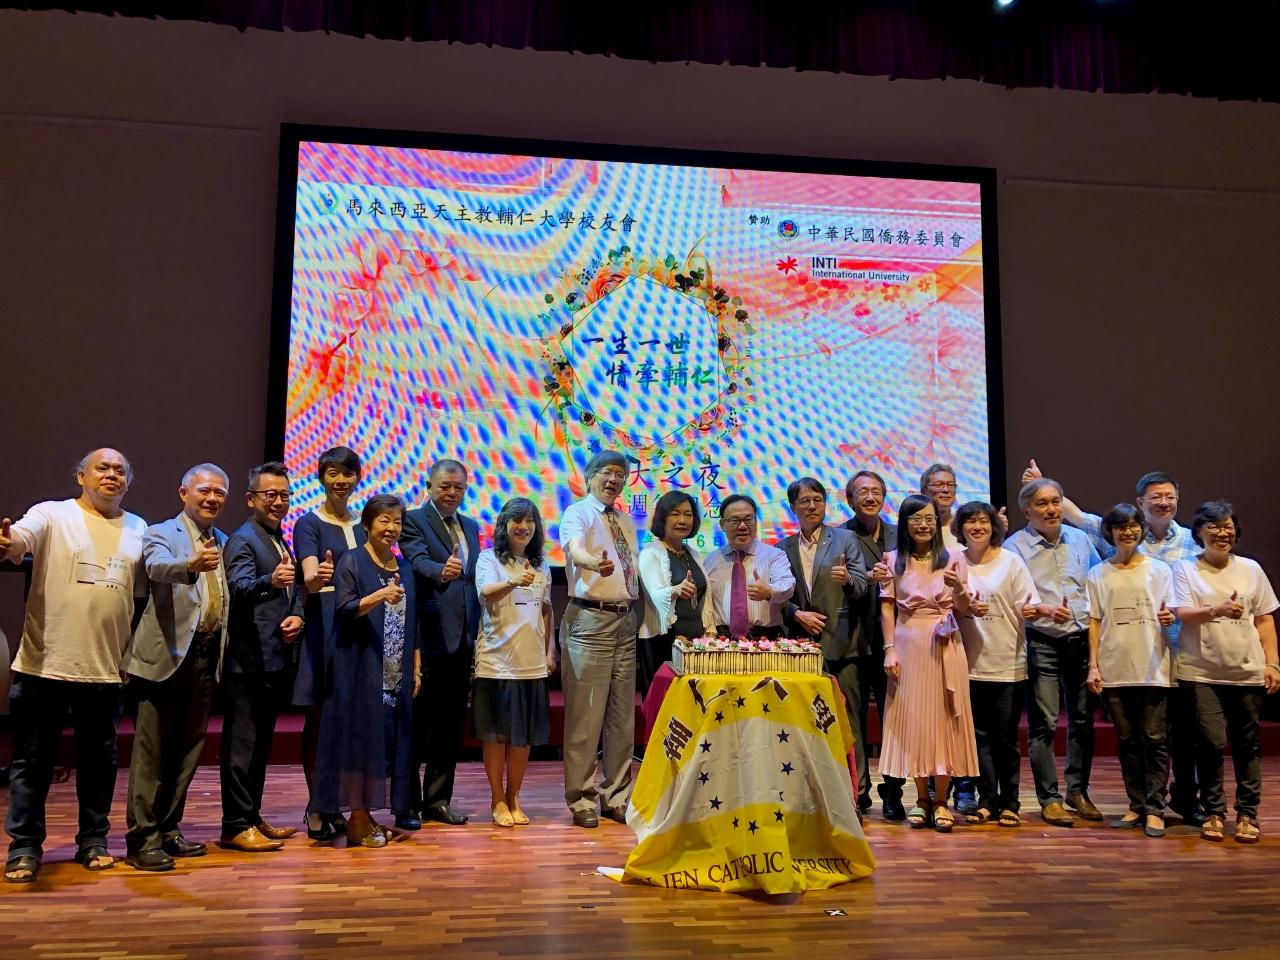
[(839, 268)]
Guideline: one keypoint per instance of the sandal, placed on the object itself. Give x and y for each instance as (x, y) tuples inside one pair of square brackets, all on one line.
[(86, 856), (23, 861), (920, 816), (943, 821), (502, 816), (1213, 829), (1247, 830), (981, 815), (519, 817), (1009, 818)]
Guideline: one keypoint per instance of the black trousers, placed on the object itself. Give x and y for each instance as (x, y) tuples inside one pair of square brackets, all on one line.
[(172, 719), (253, 704), (997, 708), (651, 654), (1139, 715), (1059, 668), (39, 708), (1184, 789), (1222, 710), (861, 680), (439, 723)]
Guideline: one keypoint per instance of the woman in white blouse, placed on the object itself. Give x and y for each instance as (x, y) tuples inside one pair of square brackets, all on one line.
[(675, 588), (515, 651), (1227, 662)]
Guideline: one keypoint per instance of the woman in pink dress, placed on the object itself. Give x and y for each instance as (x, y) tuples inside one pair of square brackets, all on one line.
[(928, 723)]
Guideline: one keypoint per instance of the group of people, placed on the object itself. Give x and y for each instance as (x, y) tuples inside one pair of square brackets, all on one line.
[(390, 626)]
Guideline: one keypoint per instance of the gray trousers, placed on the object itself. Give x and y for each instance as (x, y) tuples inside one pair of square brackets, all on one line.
[(598, 670)]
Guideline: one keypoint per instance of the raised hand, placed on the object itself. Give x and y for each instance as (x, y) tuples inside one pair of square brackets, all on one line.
[(688, 589), (812, 622), (1165, 615), (1032, 472), (1062, 613), (605, 566), (951, 577), (977, 606), (393, 592), (758, 588), (881, 573), (206, 558), (325, 568), (840, 572), (452, 567), (526, 576), (5, 541), (283, 574), (1002, 520)]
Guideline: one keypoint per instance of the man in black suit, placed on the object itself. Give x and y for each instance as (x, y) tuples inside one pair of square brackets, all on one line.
[(865, 495), (442, 546), (265, 622)]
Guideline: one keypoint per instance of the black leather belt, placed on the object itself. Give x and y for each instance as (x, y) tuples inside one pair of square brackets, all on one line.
[(621, 606)]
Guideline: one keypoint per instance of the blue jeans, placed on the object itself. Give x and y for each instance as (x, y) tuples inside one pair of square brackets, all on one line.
[(1058, 668), (39, 708)]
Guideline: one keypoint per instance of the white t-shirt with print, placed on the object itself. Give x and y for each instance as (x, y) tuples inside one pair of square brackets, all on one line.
[(997, 643), (1133, 649), (1223, 650), (511, 644)]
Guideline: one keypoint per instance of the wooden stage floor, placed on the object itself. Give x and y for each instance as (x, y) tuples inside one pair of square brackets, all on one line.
[(479, 891)]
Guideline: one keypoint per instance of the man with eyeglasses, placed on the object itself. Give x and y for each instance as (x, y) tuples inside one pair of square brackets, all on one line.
[(85, 573), (748, 581), (174, 662), (264, 623), (598, 644), (1169, 541)]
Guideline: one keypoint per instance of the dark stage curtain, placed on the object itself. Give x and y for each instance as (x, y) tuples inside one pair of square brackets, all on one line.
[(1218, 49)]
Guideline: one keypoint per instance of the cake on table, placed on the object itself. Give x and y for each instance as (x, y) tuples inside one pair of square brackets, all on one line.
[(746, 655)]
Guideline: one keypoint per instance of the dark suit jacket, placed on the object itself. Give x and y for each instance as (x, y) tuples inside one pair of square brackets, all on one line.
[(254, 641), (448, 612), (867, 609), (827, 596)]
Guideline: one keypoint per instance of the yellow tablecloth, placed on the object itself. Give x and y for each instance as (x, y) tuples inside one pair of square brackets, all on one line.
[(745, 786)]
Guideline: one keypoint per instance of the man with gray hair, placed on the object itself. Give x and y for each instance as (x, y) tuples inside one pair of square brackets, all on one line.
[(1059, 558), (174, 660), (87, 569), (598, 644)]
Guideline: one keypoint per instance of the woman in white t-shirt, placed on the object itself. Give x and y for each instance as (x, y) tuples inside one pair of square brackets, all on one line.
[(1227, 662), (1004, 597), (515, 650), (1131, 662)]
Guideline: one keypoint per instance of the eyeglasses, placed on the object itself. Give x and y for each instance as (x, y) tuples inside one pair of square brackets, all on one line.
[(738, 521), (810, 502), (922, 522), (1224, 527), (612, 475), (941, 485), (271, 496)]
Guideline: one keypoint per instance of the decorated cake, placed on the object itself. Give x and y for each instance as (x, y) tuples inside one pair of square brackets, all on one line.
[(722, 655)]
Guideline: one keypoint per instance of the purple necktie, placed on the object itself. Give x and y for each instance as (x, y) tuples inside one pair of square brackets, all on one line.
[(739, 619)]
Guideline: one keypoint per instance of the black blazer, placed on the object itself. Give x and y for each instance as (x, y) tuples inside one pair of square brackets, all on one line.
[(448, 612), (865, 611), (254, 641), (839, 637)]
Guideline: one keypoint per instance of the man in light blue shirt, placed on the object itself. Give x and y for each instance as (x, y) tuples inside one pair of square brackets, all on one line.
[(1059, 559), (1167, 540)]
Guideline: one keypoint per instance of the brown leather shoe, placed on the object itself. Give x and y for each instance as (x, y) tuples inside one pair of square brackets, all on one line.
[(1082, 805), (249, 840), (586, 819), (276, 833), (1055, 814)]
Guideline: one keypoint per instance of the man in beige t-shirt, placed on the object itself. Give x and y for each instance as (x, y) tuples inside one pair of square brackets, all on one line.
[(86, 572)]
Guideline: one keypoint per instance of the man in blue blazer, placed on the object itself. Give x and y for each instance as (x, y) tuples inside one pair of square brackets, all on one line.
[(173, 660), (442, 546), (265, 622), (865, 677)]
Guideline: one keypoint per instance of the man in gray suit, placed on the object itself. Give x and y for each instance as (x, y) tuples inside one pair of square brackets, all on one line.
[(865, 494), (174, 660), (831, 578)]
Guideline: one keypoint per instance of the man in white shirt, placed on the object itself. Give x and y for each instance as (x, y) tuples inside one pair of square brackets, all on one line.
[(749, 581), (598, 644), (86, 571), (174, 662)]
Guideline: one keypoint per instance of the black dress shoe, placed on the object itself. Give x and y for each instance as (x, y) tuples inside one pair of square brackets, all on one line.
[(864, 804), (586, 819), (154, 859), (616, 814), (893, 809), (1191, 814), (407, 821), (180, 846), (443, 813)]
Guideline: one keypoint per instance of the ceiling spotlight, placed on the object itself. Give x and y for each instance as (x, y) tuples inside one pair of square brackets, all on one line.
[(1001, 4)]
